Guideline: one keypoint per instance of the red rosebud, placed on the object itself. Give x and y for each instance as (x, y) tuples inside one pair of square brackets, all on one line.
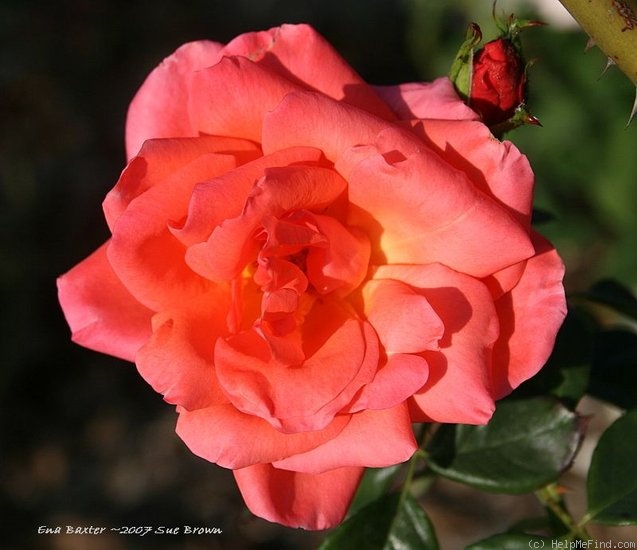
[(498, 83)]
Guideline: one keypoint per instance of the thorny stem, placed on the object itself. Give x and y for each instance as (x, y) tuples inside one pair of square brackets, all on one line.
[(612, 26), (551, 498)]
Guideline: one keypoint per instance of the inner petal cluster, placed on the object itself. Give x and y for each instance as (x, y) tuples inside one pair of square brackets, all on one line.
[(297, 351)]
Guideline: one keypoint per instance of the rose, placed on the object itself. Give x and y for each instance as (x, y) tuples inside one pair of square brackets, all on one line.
[(305, 265), (499, 80)]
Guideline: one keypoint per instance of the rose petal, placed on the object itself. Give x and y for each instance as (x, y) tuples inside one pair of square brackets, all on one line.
[(401, 377), (459, 387), (402, 318), (430, 100), (442, 218), (530, 316), (160, 107), (309, 501), (216, 107), (144, 254), (229, 438), (504, 280), (177, 361), (300, 397), (300, 54), (102, 314), (224, 197), (343, 263), (282, 190), (159, 159), (315, 120), (497, 168), (390, 429), (290, 235)]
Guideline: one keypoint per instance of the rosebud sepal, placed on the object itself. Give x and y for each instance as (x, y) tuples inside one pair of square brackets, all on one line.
[(520, 117), (461, 71)]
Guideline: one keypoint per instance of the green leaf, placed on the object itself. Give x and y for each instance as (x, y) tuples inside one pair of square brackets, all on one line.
[(526, 445), (511, 541), (375, 483), (389, 523), (613, 294), (612, 477), (614, 372), (566, 373)]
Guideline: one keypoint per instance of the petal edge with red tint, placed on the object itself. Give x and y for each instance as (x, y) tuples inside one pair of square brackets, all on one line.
[(315, 120)]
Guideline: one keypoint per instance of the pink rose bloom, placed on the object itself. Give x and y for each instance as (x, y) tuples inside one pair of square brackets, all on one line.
[(305, 265)]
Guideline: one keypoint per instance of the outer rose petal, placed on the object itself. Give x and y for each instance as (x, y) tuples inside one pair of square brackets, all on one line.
[(390, 429), (459, 386), (229, 438), (496, 167), (300, 54), (430, 100), (310, 501), (260, 91), (504, 280), (160, 107), (159, 159), (435, 215), (145, 255), (530, 316), (102, 314), (315, 120)]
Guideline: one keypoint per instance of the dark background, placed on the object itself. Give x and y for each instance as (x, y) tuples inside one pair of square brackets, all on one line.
[(84, 441)]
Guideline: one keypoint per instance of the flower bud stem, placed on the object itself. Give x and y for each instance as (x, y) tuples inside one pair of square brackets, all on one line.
[(612, 25)]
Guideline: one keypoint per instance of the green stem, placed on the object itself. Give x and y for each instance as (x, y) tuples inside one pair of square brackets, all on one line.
[(425, 431), (612, 25), (419, 454), (551, 498)]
